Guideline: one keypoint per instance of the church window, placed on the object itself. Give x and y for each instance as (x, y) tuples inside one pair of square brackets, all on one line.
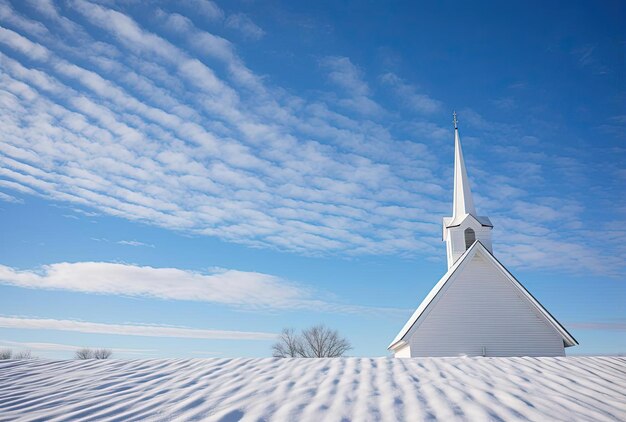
[(470, 237)]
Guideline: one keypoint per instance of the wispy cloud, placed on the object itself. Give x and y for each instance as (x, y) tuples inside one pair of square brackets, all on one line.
[(244, 24), (410, 96), (616, 126), (187, 137), (68, 347), (223, 286), (345, 75), (10, 198), (50, 11), (206, 8), (231, 287), (128, 329), (134, 243), (242, 175), (586, 56), (23, 44)]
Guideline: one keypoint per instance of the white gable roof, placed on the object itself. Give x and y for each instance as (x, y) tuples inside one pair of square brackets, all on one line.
[(478, 247)]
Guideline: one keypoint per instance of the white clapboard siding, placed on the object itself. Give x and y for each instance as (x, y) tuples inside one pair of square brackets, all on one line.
[(481, 312), (403, 352)]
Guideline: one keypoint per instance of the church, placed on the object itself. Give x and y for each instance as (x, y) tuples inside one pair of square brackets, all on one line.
[(477, 308)]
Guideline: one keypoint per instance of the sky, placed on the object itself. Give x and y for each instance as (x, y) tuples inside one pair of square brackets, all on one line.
[(186, 179)]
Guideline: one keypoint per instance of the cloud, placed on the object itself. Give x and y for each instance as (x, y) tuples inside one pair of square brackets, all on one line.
[(505, 103), (221, 286), (23, 45), (68, 347), (49, 10), (230, 287), (125, 28), (244, 24), (207, 8), (187, 137), (344, 74), (134, 243), (14, 19), (128, 329), (10, 198), (356, 92), (205, 44), (409, 96), (210, 183), (587, 57)]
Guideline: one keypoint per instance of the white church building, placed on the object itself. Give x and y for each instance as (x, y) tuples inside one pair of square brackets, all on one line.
[(477, 308)]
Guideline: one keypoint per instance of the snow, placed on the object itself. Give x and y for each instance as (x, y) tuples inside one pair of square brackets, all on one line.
[(360, 389)]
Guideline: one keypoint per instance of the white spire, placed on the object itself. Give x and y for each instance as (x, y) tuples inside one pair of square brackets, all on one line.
[(463, 203), (461, 231)]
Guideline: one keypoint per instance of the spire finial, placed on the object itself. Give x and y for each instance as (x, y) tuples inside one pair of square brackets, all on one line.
[(454, 120)]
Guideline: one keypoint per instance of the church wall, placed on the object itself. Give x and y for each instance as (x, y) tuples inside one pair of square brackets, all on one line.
[(403, 352), (479, 309)]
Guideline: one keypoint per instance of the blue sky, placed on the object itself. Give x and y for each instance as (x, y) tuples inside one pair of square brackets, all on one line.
[(185, 179)]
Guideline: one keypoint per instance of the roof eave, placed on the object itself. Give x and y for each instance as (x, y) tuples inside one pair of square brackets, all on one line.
[(396, 345), (482, 220)]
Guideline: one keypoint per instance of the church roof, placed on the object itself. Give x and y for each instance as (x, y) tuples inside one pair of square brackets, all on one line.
[(568, 339), (456, 221)]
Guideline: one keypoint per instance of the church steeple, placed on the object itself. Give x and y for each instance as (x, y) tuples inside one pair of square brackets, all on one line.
[(463, 202), (465, 226)]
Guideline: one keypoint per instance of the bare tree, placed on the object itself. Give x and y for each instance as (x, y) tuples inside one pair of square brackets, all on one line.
[(289, 345), (315, 342), (102, 353), (86, 353), (23, 355), (323, 342), (8, 354)]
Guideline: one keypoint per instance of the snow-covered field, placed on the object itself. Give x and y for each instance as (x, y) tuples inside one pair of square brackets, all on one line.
[(359, 389)]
